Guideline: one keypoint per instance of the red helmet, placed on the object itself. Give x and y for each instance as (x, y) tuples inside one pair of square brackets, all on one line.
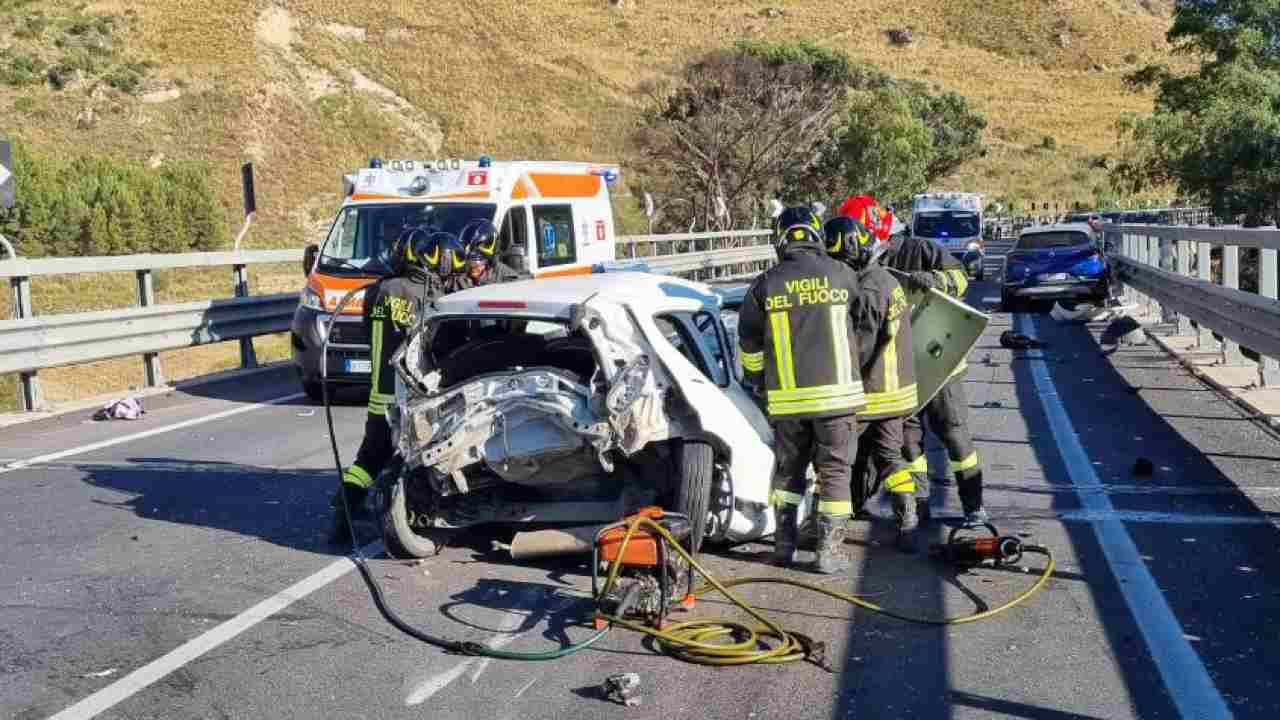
[(865, 210)]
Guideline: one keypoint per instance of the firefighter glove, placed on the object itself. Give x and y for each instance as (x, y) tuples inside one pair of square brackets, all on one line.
[(922, 281)]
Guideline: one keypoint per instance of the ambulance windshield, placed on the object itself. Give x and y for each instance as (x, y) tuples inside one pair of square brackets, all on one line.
[(946, 225), (361, 238)]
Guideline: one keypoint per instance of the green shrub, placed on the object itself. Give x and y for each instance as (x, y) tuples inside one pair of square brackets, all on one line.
[(19, 69), (99, 206), (1049, 143)]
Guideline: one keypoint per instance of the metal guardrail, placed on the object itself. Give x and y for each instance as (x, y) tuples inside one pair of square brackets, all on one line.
[(29, 344), (1169, 269)]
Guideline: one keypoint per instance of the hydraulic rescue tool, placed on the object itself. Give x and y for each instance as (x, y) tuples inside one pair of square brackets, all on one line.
[(650, 572)]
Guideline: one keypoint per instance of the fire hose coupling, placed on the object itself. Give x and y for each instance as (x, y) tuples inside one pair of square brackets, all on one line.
[(972, 551)]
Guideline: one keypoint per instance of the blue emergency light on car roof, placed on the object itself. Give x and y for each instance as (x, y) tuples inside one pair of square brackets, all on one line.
[(485, 161), (375, 163)]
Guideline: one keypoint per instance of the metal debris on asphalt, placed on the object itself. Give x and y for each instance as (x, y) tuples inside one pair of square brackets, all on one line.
[(623, 688), (101, 673)]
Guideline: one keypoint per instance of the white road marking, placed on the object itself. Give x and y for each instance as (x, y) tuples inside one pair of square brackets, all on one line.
[(148, 674), (1166, 518), (21, 464), (1181, 669), (423, 691)]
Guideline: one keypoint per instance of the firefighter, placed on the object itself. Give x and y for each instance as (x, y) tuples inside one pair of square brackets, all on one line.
[(419, 263), (797, 345), (479, 240), (882, 320), (927, 265)]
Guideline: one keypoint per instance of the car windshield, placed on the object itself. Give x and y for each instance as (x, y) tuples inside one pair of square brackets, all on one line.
[(943, 225), (361, 237), (1047, 240)]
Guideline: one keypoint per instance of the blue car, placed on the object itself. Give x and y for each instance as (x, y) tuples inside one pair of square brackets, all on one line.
[(1054, 262)]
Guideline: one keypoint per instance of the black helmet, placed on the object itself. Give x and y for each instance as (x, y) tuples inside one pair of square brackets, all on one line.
[(797, 224), (479, 240), (451, 256), (414, 248), (849, 240)]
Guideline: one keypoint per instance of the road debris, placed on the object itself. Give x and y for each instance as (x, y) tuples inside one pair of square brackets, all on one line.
[(126, 408), (622, 688), (101, 673), (1017, 341)]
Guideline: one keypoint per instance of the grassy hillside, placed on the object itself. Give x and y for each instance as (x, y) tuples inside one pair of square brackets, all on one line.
[(310, 88)]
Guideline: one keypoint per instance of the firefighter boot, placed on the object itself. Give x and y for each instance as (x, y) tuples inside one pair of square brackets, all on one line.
[(923, 513), (829, 558), (342, 531), (971, 501), (906, 513), (784, 537)]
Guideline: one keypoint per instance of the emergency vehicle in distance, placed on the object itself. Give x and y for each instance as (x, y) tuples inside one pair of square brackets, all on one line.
[(554, 219), (953, 220)]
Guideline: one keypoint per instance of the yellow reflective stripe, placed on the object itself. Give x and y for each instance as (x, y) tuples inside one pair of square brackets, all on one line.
[(358, 476), (901, 482), (815, 406), (378, 410), (816, 392), (781, 325), (961, 281), (968, 463), (900, 401), (784, 497), (843, 361), (375, 355), (919, 465), (835, 507), (752, 362), (959, 369)]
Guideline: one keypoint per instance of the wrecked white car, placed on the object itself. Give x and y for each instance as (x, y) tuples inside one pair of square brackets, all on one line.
[(575, 400)]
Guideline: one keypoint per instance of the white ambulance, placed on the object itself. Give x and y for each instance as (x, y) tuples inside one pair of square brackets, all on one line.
[(556, 215), (954, 220)]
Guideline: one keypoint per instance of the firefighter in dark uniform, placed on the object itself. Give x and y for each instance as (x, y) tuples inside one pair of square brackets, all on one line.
[(882, 320), (798, 347), (928, 265), (392, 305)]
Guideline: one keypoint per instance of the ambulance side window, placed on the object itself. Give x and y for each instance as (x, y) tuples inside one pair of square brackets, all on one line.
[(553, 228), (515, 230)]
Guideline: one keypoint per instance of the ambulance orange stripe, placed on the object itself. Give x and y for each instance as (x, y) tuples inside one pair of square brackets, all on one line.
[(564, 272), (566, 186), (357, 197)]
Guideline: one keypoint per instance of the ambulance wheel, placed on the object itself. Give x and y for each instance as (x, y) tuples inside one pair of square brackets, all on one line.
[(398, 535), (695, 463)]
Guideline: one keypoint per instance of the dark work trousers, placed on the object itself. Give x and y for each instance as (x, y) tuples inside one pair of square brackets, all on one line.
[(830, 444), (947, 416), (374, 454), (880, 461)]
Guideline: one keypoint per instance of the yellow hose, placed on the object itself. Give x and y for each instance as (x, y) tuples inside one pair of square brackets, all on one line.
[(692, 640)]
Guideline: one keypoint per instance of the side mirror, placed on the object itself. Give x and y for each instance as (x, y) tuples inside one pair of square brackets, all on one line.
[(309, 258), (516, 259)]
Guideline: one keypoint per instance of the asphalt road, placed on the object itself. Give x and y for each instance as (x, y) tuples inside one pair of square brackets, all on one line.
[(173, 573)]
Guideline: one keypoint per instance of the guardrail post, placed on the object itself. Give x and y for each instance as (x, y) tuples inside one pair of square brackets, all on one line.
[(1167, 316), (29, 396), (240, 273), (1184, 268), (1231, 279), (146, 298), (1268, 370), (1204, 340)]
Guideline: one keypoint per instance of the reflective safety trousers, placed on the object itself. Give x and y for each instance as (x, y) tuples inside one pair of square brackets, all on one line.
[(797, 339)]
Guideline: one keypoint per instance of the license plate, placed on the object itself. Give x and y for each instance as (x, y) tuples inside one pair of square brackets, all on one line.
[(359, 367), (1053, 277)]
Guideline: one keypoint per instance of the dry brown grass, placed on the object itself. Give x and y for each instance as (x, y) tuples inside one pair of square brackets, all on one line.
[(551, 78)]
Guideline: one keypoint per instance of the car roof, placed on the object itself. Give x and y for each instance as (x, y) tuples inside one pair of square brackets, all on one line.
[(1058, 227), (652, 291)]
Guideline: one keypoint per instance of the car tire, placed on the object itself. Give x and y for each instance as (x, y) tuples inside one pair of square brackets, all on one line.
[(398, 536), (314, 391), (695, 463)]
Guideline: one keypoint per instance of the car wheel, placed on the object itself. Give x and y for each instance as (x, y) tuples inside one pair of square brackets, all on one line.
[(693, 494), (314, 391), (398, 536)]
